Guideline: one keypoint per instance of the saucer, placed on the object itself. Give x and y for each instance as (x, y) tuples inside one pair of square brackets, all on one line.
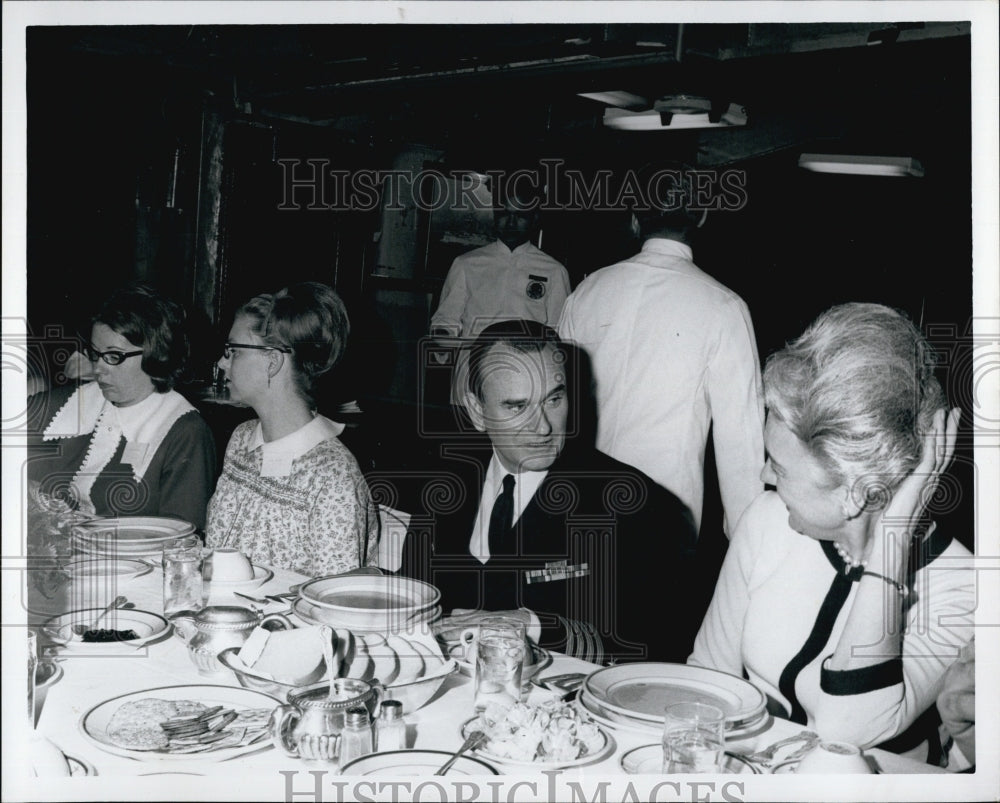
[(261, 574)]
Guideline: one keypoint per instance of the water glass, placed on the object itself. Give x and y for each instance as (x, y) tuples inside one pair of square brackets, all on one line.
[(183, 587), (499, 661), (32, 666), (693, 738)]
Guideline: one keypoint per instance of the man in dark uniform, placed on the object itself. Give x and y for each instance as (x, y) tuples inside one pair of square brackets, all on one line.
[(537, 519)]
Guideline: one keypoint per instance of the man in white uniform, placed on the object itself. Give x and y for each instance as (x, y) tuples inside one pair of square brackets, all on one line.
[(509, 279), (673, 352)]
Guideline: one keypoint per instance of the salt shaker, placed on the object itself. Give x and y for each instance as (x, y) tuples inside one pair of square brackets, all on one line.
[(390, 727), (356, 737)]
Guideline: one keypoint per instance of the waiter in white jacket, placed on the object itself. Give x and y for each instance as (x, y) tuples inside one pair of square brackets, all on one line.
[(673, 353)]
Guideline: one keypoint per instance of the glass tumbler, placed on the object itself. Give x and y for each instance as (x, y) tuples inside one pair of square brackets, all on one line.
[(183, 586), (499, 661), (693, 738)]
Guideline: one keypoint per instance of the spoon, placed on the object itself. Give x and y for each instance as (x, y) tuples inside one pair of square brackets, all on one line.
[(326, 633), (79, 630), (475, 739)]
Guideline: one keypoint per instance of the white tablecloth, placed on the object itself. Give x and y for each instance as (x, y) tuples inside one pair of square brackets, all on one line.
[(88, 681)]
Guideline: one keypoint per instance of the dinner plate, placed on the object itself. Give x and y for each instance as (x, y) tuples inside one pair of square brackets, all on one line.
[(416, 762), (589, 758), (94, 723), (648, 760), (616, 722), (149, 627), (129, 535), (261, 574), (120, 568), (602, 718), (314, 615), (641, 691)]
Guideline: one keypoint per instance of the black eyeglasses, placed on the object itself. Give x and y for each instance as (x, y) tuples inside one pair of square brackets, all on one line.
[(227, 350), (110, 357)]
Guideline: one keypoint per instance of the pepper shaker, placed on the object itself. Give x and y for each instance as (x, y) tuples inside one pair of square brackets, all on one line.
[(356, 737)]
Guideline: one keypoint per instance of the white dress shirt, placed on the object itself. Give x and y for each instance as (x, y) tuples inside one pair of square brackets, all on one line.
[(673, 351), (525, 485)]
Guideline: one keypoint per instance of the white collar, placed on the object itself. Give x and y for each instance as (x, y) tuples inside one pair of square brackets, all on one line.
[(144, 425), (525, 488), (502, 246), (277, 455), (663, 245)]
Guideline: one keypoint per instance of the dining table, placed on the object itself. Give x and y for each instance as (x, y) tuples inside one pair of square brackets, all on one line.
[(88, 679)]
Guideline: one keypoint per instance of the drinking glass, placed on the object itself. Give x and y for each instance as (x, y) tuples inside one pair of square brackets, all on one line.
[(499, 661), (183, 587), (693, 738), (32, 666)]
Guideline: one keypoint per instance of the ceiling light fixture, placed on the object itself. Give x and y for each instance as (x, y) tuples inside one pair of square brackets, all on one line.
[(856, 165), (670, 113)]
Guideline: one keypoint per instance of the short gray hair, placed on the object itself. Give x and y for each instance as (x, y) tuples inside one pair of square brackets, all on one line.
[(858, 389)]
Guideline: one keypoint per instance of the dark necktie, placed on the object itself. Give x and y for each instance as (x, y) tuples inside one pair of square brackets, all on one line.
[(502, 541)]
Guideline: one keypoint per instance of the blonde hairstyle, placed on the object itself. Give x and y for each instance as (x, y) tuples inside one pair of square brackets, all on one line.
[(309, 321), (858, 389)]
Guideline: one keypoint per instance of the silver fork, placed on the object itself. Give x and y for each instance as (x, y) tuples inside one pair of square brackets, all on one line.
[(768, 753)]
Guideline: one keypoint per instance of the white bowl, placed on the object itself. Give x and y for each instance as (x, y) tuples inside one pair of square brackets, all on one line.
[(385, 621), (369, 601), (419, 692), (834, 758), (230, 566)]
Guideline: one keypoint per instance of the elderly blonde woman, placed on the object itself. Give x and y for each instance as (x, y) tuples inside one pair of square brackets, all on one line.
[(291, 494), (836, 598)]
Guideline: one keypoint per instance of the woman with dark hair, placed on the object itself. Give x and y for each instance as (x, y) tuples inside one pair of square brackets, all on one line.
[(838, 598), (291, 494), (127, 443)]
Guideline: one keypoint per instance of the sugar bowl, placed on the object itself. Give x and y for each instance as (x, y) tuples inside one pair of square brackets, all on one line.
[(218, 627), (309, 725)]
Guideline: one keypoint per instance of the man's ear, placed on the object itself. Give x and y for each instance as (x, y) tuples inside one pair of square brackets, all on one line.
[(634, 226), (475, 409)]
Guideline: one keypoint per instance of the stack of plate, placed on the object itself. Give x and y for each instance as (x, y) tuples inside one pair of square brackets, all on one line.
[(368, 603), (632, 697), (129, 536)]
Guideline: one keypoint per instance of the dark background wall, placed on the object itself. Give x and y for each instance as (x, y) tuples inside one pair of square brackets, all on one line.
[(155, 154)]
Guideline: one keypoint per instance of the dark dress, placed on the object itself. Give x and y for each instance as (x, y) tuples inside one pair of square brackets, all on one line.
[(178, 482)]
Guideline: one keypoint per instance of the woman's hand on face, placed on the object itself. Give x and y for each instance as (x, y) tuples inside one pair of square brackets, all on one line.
[(912, 496)]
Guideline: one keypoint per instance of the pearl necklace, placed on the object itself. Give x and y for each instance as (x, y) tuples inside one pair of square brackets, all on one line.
[(850, 562)]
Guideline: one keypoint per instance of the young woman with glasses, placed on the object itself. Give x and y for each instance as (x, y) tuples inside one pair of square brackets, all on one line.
[(127, 443), (290, 494)]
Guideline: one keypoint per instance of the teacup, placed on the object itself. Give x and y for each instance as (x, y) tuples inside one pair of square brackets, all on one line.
[(834, 758), (230, 566)]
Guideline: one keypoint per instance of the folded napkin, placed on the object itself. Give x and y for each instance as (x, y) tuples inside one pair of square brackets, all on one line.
[(288, 656), (450, 627)]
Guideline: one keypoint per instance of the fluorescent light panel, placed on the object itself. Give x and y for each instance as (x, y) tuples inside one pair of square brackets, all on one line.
[(856, 165)]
